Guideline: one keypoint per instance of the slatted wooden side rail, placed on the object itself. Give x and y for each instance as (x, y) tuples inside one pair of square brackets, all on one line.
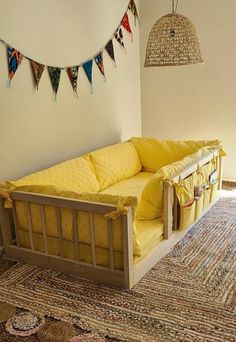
[(91, 270)]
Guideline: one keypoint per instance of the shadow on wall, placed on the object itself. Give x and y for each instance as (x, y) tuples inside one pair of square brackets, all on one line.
[(56, 153)]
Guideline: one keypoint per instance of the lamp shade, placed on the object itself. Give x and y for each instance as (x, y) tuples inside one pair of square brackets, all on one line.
[(173, 41)]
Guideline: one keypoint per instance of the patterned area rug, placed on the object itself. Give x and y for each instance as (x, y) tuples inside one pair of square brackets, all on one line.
[(188, 296)]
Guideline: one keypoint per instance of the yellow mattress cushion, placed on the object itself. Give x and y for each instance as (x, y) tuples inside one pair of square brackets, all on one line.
[(150, 205), (132, 186), (76, 175), (154, 154), (149, 233), (115, 163)]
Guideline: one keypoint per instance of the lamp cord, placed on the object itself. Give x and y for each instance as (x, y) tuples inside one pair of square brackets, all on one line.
[(177, 2), (174, 7)]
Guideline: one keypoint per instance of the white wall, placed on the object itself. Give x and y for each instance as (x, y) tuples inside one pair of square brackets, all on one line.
[(36, 131), (199, 101)]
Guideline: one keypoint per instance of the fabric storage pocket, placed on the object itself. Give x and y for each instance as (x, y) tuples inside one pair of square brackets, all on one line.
[(199, 207), (214, 190), (187, 216), (206, 198)]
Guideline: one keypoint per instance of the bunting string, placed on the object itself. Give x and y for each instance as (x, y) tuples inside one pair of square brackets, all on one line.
[(15, 58)]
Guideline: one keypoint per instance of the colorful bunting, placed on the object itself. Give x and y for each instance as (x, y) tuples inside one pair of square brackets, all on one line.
[(99, 62), (88, 66), (125, 23), (38, 70), (73, 76), (133, 9), (119, 37), (55, 74), (14, 60), (110, 50)]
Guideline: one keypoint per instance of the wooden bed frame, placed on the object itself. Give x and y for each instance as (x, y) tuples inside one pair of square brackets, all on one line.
[(131, 273)]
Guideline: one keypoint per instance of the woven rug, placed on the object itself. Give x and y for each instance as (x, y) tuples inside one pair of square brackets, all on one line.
[(188, 296)]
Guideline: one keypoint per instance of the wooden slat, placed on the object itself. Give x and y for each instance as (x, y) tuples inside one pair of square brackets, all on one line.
[(5, 225), (206, 159), (44, 228), (15, 224), (75, 233), (29, 224), (168, 213), (110, 244), (220, 173), (175, 212), (188, 171), (59, 230), (62, 202), (102, 274), (128, 250), (193, 166), (92, 240)]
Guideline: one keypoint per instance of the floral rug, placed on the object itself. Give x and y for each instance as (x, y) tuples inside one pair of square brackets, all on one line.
[(189, 295)]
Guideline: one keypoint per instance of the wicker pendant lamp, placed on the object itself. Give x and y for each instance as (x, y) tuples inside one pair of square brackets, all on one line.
[(173, 41)]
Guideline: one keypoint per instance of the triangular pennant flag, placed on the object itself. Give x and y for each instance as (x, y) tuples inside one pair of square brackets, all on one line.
[(88, 66), (133, 9), (110, 50), (119, 37), (125, 23), (14, 60), (55, 74), (99, 62), (73, 76), (38, 70)]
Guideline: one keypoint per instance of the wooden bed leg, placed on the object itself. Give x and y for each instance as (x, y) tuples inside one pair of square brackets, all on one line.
[(128, 250), (5, 226), (175, 212), (168, 209), (220, 168)]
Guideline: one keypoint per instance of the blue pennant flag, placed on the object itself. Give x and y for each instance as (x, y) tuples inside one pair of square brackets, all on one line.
[(87, 66)]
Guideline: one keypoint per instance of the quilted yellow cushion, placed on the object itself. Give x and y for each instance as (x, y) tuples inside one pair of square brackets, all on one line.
[(150, 205), (115, 163), (72, 175), (154, 154), (132, 186)]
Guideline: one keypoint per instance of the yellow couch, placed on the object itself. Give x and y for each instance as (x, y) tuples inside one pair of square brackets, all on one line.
[(127, 173)]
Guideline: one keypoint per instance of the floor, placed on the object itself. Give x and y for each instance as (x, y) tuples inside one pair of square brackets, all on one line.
[(229, 189)]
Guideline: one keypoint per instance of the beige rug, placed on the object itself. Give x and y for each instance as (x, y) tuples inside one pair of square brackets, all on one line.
[(189, 295)]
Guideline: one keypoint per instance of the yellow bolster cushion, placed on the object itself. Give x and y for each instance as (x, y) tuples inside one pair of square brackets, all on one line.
[(150, 205), (154, 154), (115, 163), (76, 175)]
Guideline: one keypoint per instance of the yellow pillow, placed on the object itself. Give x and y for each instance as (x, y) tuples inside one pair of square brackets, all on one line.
[(115, 163), (154, 154), (150, 206), (73, 175)]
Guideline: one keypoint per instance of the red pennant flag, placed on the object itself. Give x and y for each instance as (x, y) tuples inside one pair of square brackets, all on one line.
[(125, 23)]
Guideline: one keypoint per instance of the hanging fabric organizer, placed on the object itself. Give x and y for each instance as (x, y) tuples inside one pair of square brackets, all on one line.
[(15, 57)]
